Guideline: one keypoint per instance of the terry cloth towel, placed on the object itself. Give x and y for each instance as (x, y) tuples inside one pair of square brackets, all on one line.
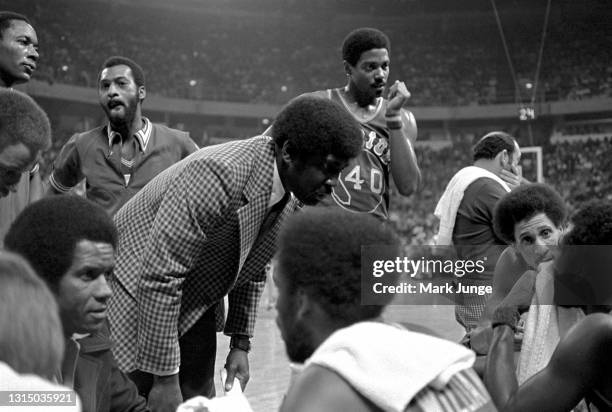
[(233, 401), (446, 209), (546, 324), (389, 365)]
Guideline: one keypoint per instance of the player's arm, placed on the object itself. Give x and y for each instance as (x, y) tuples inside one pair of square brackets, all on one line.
[(402, 136), (66, 169), (243, 301), (508, 270), (509, 278), (519, 296), (577, 366)]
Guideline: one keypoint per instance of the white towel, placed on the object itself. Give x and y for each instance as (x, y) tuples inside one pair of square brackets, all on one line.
[(233, 401), (546, 324), (389, 365), (446, 209)]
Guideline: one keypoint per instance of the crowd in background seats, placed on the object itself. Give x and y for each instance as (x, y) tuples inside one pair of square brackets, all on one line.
[(267, 57)]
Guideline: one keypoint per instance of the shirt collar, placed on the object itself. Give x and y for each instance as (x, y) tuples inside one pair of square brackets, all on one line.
[(142, 136), (278, 191), (67, 371)]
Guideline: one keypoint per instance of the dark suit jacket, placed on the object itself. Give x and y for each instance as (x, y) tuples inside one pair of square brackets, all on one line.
[(98, 381)]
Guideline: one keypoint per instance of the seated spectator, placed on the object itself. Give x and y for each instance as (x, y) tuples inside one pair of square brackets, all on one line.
[(555, 357), (70, 242), (31, 342), (352, 360), (530, 220)]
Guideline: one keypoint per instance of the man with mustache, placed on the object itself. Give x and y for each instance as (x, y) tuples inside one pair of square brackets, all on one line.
[(119, 159), (389, 131), (20, 184)]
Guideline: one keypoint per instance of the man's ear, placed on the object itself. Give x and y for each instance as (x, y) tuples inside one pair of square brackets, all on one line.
[(304, 304), (285, 153), (348, 69), (142, 93), (502, 158)]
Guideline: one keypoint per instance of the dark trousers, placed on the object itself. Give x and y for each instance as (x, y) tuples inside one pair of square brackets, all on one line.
[(198, 352)]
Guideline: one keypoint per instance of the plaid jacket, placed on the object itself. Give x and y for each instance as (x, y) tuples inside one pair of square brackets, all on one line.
[(185, 241)]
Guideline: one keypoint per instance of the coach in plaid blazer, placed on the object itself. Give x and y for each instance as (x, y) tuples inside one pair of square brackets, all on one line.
[(197, 232)]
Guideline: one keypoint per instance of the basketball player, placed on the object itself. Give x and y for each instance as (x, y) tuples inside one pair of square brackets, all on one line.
[(18, 60), (18, 49), (389, 131), (579, 367), (118, 159), (353, 360)]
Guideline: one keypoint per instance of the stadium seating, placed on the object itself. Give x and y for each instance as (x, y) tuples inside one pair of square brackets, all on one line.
[(271, 57)]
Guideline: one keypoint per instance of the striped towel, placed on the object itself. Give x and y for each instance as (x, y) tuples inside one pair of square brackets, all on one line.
[(397, 369), (463, 392)]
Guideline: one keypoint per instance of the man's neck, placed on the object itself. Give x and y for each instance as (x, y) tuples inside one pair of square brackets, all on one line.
[(5, 83), (489, 165), (324, 328), (128, 129), (280, 166)]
